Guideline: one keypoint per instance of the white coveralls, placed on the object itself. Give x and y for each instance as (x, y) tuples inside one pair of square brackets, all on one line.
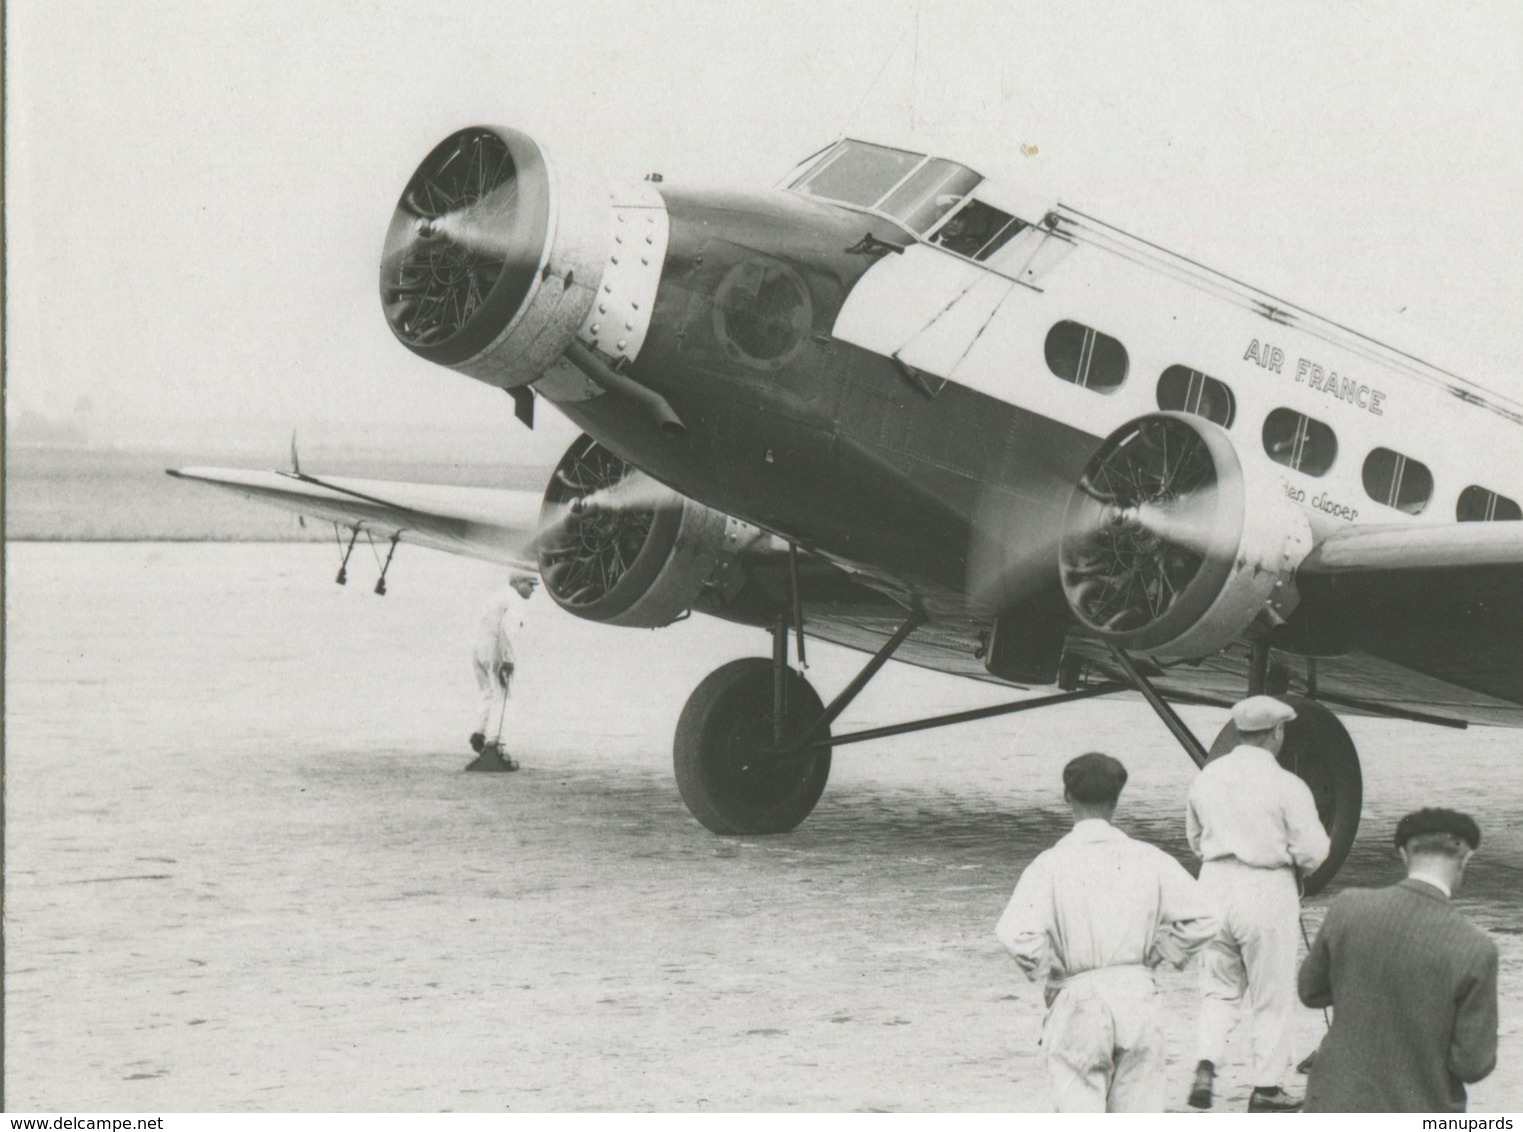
[(1253, 824), (1092, 916), (501, 617)]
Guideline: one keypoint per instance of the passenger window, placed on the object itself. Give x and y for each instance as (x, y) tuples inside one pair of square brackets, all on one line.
[(1086, 357), (1298, 442), (1479, 505), (1190, 391), (977, 231), (1397, 481)]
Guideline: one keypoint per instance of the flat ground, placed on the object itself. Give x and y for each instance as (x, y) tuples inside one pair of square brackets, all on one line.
[(244, 871)]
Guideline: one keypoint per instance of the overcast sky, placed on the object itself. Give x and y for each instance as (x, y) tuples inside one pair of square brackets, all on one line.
[(197, 192)]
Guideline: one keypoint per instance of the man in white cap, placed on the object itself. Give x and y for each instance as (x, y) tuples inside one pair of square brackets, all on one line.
[(1255, 827)]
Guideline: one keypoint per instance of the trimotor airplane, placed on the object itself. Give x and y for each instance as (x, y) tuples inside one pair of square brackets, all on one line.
[(896, 405)]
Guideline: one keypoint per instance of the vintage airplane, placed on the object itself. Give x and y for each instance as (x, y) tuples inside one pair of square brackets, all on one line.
[(897, 405)]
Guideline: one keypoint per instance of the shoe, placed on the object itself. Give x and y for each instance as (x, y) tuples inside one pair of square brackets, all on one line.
[(478, 740), (1273, 1100), (1200, 1092), (1305, 1064)]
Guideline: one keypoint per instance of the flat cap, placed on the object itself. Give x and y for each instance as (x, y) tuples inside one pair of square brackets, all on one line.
[(1261, 713), (1094, 778), (1438, 821)]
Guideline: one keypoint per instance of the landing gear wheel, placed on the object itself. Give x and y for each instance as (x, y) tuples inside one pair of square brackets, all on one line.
[(1318, 750), (725, 774)]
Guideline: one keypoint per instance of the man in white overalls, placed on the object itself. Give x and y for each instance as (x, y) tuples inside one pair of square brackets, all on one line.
[(1092, 917), (501, 617), (1254, 825)]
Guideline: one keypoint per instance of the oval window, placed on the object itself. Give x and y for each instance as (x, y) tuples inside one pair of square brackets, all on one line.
[(1085, 357), (1397, 481), (1481, 505), (1187, 390), (1298, 442)]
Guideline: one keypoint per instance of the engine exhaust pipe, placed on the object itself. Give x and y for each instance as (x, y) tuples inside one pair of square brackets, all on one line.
[(611, 381)]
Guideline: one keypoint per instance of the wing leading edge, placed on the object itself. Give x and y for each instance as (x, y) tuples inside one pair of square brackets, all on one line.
[(488, 523), (1446, 601)]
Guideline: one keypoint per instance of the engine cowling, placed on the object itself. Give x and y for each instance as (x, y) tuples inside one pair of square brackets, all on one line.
[(1172, 546), (621, 549), (497, 259)]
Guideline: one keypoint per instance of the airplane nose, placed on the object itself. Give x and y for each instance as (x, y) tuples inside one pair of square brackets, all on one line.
[(492, 258)]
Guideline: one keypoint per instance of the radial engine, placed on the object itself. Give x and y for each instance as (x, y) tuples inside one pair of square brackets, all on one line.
[(1172, 546), (619, 548)]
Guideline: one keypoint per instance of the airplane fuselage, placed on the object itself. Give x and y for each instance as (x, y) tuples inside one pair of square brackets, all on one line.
[(894, 363), (893, 384)]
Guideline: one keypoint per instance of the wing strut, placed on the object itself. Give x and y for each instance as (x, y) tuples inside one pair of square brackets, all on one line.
[(860, 681), (1105, 689), (1170, 717), (798, 601)]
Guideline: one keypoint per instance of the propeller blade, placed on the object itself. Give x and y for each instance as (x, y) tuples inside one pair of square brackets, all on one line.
[(1013, 553)]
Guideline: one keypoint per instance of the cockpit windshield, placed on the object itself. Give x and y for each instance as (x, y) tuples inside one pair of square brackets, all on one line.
[(914, 189)]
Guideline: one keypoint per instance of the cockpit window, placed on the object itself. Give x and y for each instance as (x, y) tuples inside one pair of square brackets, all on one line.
[(912, 188), (977, 230), (857, 173), (929, 193)]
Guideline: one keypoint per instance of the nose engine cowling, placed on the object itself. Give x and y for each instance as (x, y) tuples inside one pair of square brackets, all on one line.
[(495, 258)]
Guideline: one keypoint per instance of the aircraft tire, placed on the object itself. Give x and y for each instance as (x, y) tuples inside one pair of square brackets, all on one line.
[(722, 777), (1319, 751)]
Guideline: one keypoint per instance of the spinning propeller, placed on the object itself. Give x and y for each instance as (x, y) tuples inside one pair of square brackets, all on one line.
[(1123, 543), (597, 518), (453, 238)]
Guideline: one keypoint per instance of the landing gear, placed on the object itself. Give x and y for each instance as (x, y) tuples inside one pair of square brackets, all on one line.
[(730, 772), (1318, 750), (753, 746)]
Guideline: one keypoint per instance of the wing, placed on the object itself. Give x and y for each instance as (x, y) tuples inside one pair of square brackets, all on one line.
[(490, 523), (1421, 622), (1445, 601), (1407, 620)]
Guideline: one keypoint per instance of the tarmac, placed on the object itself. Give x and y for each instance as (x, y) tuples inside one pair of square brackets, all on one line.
[(245, 872)]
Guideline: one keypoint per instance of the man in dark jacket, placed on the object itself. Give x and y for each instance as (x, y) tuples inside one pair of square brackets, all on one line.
[(1413, 983)]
